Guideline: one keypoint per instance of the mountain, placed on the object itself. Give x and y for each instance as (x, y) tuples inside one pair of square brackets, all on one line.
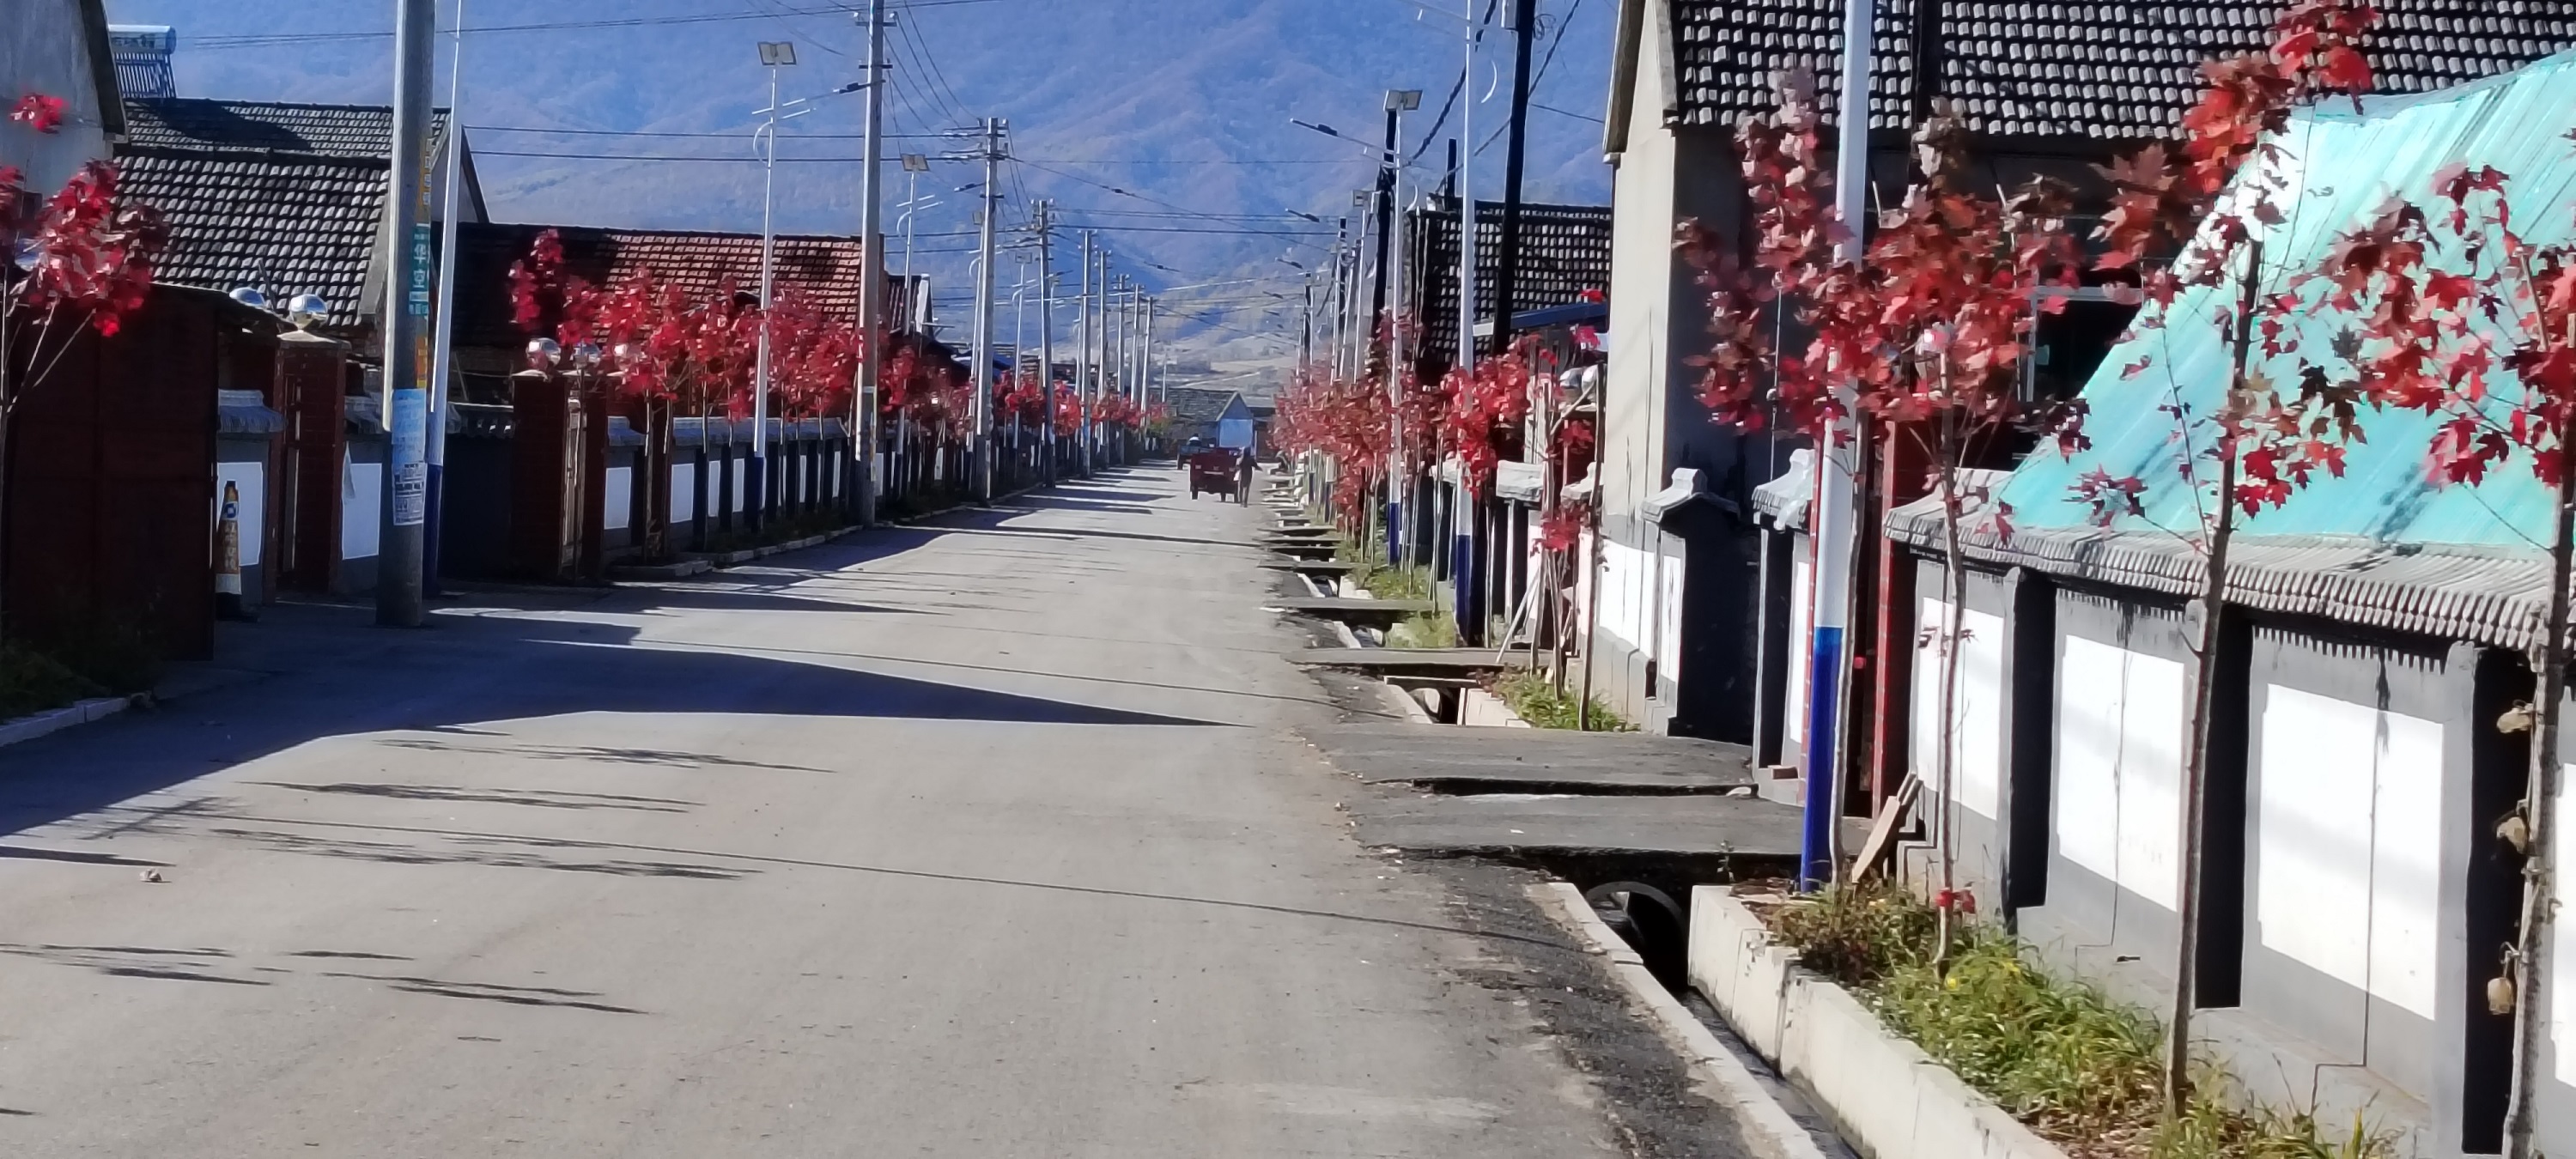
[(1162, 125)]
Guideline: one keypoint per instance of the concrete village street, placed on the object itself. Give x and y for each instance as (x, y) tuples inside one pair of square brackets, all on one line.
[(977, 839)]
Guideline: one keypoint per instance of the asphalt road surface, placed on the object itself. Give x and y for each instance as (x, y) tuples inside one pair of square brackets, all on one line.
[(981, 839)]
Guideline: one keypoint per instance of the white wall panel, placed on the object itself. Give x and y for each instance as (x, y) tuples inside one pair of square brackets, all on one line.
[(2349, 843), (619, 508), (361, 497), (1793, 693), (684, 492), (1977, 742)]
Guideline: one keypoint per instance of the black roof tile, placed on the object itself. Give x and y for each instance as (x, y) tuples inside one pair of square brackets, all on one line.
[(1565, 250), (284, 197), (2096, 68)]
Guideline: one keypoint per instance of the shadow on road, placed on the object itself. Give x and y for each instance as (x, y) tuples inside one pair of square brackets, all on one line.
[(335, 675)]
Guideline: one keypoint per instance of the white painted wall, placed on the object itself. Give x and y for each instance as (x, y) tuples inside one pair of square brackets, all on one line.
[(740, 500), (251, 479), (2562, 939), (46, 50), (2348, 842), (684, 492), (1977, 750), (361, 493), (620, 499), (1793, 694), (2119, 766), (1641, 272)]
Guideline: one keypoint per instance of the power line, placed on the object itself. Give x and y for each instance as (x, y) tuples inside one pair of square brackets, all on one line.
[(272, 39), (673, 133)]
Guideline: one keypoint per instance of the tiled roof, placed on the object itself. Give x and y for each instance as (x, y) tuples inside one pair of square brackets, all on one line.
[(830, 269), (1200, 405), (2098, 68), (284, 197), (1564, 251)]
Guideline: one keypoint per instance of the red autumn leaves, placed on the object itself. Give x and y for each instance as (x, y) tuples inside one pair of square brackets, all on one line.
[(82, 255), (698, 350)]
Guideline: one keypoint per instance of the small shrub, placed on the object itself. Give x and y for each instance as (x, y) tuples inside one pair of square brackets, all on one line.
[(1533, 696), (1433, 631), (31, 681)]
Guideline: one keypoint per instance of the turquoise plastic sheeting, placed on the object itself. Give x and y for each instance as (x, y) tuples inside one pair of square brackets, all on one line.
[(2342, 165)]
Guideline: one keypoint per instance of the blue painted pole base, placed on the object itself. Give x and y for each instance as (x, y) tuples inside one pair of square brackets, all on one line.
[(1824, 688)]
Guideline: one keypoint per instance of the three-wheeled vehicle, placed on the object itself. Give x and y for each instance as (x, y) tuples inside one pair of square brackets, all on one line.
[(1213, 472)]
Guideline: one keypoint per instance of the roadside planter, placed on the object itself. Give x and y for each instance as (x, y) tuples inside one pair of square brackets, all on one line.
[(1886, 1097)]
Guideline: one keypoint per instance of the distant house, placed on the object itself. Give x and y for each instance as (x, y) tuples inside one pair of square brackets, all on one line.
[(284, 198), (704, 490), (289, 199), (1214, 416)]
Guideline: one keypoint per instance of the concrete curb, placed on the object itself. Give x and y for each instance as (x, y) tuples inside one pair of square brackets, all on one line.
[(1888, 1097), (27, 728), (660, 571), (1770, 1132)]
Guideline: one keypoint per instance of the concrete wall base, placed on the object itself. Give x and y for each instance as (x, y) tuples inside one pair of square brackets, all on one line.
[(1888, 1098)]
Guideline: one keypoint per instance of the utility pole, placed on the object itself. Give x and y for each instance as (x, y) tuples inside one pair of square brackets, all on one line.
[(1398, 102), (1046, 341), (872, 308), (1835, 515), (1506, 283), (441, 343), (1150, 304), (406, 327), (982, 450)]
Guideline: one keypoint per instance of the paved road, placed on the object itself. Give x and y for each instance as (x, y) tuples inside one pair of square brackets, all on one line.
[(987, 840)]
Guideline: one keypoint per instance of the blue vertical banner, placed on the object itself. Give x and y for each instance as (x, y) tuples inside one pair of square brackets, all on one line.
[(408, 409)]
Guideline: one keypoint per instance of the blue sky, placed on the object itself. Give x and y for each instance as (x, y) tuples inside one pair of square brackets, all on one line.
[(1183, 105)]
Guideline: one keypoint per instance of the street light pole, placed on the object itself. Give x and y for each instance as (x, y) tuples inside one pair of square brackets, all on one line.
[(1082, 361), (1467, 198), (406, 325), (442, 342), (776, 55)]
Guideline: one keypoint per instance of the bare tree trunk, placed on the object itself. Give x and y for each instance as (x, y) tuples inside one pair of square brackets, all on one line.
[(2540, 818), (2196, 756), (1954, 581)]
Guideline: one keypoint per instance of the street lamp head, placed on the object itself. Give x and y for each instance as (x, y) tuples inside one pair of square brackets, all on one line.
[(586, 355), (916, 163), (544, 352), (777, 53), (306, 309), (1403, 100), (28, 255), (251, 296)]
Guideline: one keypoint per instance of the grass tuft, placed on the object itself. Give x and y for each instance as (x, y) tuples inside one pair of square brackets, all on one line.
[(1533, 696), (2082, 1070)]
